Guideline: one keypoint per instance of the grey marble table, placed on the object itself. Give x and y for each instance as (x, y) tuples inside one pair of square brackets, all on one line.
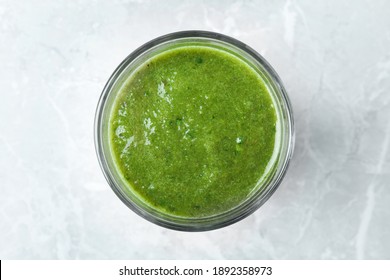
[(334, 58)]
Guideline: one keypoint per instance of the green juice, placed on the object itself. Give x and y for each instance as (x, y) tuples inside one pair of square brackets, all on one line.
[(193, 131)]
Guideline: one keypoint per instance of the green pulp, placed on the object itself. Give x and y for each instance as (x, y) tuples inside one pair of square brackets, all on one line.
[(192, 131)]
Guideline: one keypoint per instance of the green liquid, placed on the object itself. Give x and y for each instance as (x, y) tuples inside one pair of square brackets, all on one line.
[(193, 130)]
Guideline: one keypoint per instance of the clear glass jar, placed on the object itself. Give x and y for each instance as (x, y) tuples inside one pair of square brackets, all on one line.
[(284, 128)]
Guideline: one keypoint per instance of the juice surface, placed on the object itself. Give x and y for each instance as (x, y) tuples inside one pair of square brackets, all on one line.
[(192, 131)]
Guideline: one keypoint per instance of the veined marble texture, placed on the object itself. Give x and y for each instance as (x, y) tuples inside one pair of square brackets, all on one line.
[(334, 59)]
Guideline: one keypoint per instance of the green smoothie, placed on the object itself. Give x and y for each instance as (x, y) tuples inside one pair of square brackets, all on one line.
[(193, 131)]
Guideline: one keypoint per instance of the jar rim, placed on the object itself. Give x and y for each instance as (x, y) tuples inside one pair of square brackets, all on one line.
[(196, 224)]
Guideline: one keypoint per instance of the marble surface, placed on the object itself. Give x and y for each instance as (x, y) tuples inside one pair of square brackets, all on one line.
[(334, 58)]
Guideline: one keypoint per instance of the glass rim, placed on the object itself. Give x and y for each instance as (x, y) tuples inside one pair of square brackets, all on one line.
[(255, 201)]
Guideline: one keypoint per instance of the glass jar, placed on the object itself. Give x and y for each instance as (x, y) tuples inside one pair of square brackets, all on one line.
[(284, 129)]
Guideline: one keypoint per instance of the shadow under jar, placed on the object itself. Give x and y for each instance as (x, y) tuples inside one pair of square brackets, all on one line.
[(194, 131)]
